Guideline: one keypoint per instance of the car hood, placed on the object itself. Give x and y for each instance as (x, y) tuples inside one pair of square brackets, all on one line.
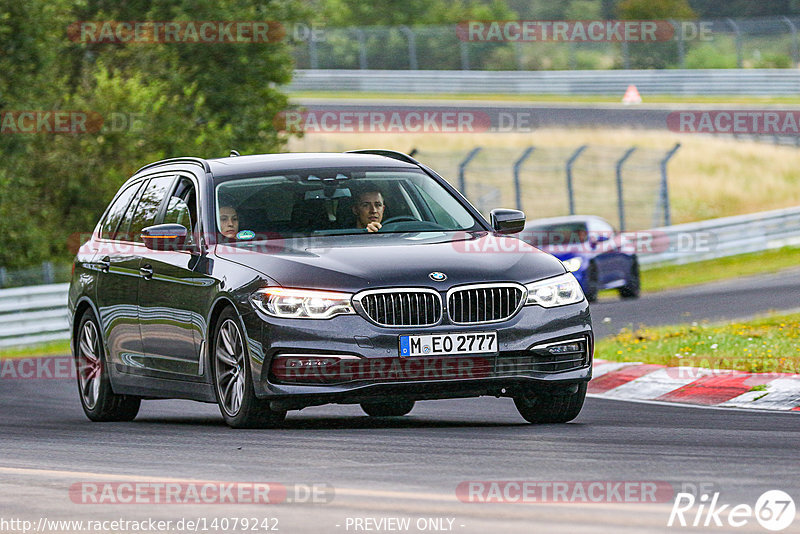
[(353, 263)]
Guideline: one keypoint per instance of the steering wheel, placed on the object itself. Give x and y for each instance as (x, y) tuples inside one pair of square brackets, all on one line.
[(400, 218)]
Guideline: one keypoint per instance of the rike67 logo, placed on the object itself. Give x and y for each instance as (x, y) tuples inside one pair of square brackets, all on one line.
[(774, 510)]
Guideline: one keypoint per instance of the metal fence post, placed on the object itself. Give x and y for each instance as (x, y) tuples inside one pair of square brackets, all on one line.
[(678, 27), (518, 55), (48, 276), (464, 48), (312, 52), (626, 57), (570, 162), (735, 27), (362, 49), (462, 167), (795, 44), (3, 276), (412, 47), (620, 197), (517, 167), (664, 185)]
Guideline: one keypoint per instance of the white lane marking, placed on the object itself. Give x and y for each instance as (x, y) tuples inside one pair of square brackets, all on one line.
[(722, 407)]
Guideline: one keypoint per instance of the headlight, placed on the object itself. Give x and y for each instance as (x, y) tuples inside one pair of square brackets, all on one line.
[(302, 303), (573, 264), (558, 291)]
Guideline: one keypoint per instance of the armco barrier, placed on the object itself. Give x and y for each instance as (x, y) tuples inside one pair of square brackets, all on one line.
[(758, 82), (36, 314), (33, 314)]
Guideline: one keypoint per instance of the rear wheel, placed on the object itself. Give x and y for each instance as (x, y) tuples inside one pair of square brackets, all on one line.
[(233, 382), (591, 283), (387, 409), (632, 289), (559, 406), (99, 401)]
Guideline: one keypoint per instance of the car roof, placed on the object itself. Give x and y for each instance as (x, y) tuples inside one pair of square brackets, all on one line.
[(565, 219), (280, 162)]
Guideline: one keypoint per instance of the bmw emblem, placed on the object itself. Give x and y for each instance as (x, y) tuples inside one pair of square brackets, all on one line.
[(437, 276)]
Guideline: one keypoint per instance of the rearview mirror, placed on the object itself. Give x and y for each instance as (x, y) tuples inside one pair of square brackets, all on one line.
[(165, 237), (505, 221)]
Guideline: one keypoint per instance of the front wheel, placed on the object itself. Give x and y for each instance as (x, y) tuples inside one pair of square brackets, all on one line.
[(558, 406), (387, 409), (99, 401), (632, 288), (592, 283), (233, 382)]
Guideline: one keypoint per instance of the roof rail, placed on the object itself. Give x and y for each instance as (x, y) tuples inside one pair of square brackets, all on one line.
[(394, 154), (197, 161)]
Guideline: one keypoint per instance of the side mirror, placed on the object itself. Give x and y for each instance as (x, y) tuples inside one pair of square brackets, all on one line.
[(506, 221), (596, 240), (165, 237)]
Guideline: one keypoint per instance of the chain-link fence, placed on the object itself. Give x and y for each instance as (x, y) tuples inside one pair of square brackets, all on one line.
[(626, 186), (706, 44), (46, 273)]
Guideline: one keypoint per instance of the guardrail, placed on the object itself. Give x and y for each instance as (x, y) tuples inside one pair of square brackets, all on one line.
[(757, 82), (33, 314), (726, 236), (36, 314)]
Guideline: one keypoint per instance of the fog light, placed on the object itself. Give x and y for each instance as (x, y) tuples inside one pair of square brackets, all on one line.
[(562, 349)]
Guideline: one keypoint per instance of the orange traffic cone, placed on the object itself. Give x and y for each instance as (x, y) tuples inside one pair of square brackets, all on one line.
[(632, 96)]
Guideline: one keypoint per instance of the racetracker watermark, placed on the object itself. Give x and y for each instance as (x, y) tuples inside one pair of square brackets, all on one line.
[(578, 491), (191, 31), (736, 122), (166, 492), (582, 31), (68, 122), (594, 242), (385, 121), (42, 368), (336, 369)]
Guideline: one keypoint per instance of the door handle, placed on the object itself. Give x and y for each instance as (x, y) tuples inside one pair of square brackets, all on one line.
[(146, 271), (105, 264)]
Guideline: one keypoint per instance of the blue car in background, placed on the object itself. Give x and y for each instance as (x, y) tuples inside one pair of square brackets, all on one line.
[(597, 255)]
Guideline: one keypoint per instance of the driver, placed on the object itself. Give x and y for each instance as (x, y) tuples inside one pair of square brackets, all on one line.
[(368, 209)]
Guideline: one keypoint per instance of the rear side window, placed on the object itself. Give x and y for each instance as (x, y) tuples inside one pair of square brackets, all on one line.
[(117, 210), (147, 208)]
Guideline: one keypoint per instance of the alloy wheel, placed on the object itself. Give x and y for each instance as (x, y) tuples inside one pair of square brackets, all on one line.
[(230, 372)]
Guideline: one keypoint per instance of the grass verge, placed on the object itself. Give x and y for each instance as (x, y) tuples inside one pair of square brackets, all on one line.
[(53, 348), (676, 276), (770, 344)]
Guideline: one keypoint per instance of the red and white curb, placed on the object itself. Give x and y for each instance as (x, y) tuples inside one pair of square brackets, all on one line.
[(694, 385)]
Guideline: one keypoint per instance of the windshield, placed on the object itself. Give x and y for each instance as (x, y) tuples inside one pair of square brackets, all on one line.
[(555, 234), (335, 203)]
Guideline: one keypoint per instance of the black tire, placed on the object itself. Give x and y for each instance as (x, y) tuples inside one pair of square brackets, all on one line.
[(387, 409), (591, 283), (632, 289), (552, 407), (233, 380), (99, 402)]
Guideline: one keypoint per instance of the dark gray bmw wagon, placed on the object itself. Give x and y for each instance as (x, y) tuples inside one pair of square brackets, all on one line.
[(275, 282)]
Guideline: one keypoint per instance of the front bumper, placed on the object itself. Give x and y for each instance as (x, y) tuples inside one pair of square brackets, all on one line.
[(376, 372)]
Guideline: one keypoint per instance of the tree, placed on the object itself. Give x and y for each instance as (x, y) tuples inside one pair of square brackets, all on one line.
[(156, 100)]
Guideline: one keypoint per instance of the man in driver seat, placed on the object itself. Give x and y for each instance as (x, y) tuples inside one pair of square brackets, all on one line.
[(368, 209)]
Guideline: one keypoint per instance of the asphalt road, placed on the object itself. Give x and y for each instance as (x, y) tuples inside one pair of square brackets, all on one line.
[(732, 299), (522, 116), (397, 468), (410, 467)]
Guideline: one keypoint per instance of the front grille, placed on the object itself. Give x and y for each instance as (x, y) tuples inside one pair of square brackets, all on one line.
[(402, 307), (549, 358), (484, 303)]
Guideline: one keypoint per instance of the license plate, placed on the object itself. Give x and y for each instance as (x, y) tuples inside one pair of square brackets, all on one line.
[(446, 344)]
